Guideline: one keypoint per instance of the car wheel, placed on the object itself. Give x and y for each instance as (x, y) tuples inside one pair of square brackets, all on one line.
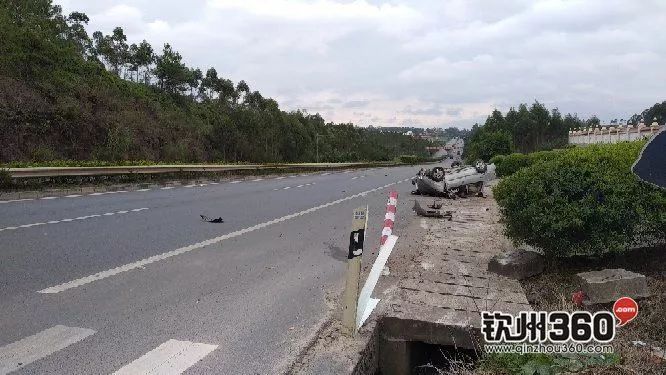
[(437, 174), (480, 166)]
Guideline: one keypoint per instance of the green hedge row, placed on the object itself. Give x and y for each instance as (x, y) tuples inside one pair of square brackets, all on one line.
[(584, 201), (507, 165)]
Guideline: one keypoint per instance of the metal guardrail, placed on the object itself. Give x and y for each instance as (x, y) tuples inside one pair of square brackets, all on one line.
[(148, 169)]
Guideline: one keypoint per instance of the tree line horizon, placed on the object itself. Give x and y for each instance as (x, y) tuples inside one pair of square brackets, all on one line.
[(67, 95)]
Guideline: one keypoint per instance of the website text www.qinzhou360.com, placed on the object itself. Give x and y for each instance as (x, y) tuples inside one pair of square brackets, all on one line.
[(578, 348)]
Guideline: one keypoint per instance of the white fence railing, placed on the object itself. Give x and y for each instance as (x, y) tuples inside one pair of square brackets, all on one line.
[(612, 134)]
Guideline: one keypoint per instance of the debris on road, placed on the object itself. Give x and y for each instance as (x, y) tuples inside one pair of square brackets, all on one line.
[(420, 211), (209, 220), (436, 204)]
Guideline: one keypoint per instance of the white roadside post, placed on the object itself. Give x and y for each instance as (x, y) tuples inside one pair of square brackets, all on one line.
[(356, 239)]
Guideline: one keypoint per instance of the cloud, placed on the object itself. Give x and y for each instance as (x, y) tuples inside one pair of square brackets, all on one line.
[(425, 62)]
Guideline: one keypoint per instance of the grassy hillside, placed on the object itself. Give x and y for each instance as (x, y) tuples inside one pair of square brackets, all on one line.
[(67, 95)]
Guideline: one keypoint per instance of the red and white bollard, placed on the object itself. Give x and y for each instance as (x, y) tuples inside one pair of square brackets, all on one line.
[(389, 218)]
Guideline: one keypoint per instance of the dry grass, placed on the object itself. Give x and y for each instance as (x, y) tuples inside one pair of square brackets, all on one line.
[(553, 290)]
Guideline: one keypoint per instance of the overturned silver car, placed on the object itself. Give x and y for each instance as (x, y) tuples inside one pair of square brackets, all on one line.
[(453, 182)]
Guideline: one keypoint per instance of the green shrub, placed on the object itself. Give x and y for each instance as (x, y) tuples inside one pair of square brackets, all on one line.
[(585, 201), (507, 165), (5, 178), (408, 159)]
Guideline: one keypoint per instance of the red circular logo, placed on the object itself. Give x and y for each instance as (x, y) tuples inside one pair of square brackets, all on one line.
[(625, 310)]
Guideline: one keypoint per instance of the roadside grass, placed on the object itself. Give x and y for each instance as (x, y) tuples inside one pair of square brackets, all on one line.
[(553, 289)]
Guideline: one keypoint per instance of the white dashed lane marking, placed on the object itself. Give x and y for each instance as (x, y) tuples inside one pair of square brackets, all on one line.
[(122, 212), (294, 187), (186, 249), (96, 194), (40, 345), (171, 358), (18, 200)]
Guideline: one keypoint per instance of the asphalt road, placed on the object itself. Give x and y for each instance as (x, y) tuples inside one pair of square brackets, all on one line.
[(136, 282)]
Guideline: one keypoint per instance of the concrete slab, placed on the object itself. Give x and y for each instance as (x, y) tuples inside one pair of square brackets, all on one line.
[(608, 285)]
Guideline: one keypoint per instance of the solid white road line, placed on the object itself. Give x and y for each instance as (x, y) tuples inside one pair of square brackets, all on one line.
[(325, 174), (171, 358), (73, 196), (235, 182), (299, 186), (33, 348), (280, 178), (257, 179), (48, 198), (156, 258), (353, 178), (76, 218), (142, 190), (286, 187), (167, 188)]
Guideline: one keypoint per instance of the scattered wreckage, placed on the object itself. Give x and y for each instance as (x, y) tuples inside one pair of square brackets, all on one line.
[(453, 182), (434, 212)]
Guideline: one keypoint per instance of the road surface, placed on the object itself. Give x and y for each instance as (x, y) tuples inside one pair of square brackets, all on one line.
[(135, 282)]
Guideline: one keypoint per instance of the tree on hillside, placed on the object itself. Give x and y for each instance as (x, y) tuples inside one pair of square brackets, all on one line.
[(209, 84), (194, 81), (113, 49), (171, 73), (144, 57), (242, 90), (77, 32), (140, 56)]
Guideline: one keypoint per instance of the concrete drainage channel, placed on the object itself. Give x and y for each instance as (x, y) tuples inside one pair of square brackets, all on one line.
[(403, 346)]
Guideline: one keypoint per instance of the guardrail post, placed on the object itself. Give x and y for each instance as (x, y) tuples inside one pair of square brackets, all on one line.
[(356, 239)]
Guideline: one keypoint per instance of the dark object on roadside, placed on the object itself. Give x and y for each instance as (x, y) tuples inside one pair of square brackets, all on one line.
[(207, 219), (436, 204), (651, 164), (517, 264), (431, 213)]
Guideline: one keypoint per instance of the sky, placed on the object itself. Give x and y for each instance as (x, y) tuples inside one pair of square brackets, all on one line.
[(423, 63)]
